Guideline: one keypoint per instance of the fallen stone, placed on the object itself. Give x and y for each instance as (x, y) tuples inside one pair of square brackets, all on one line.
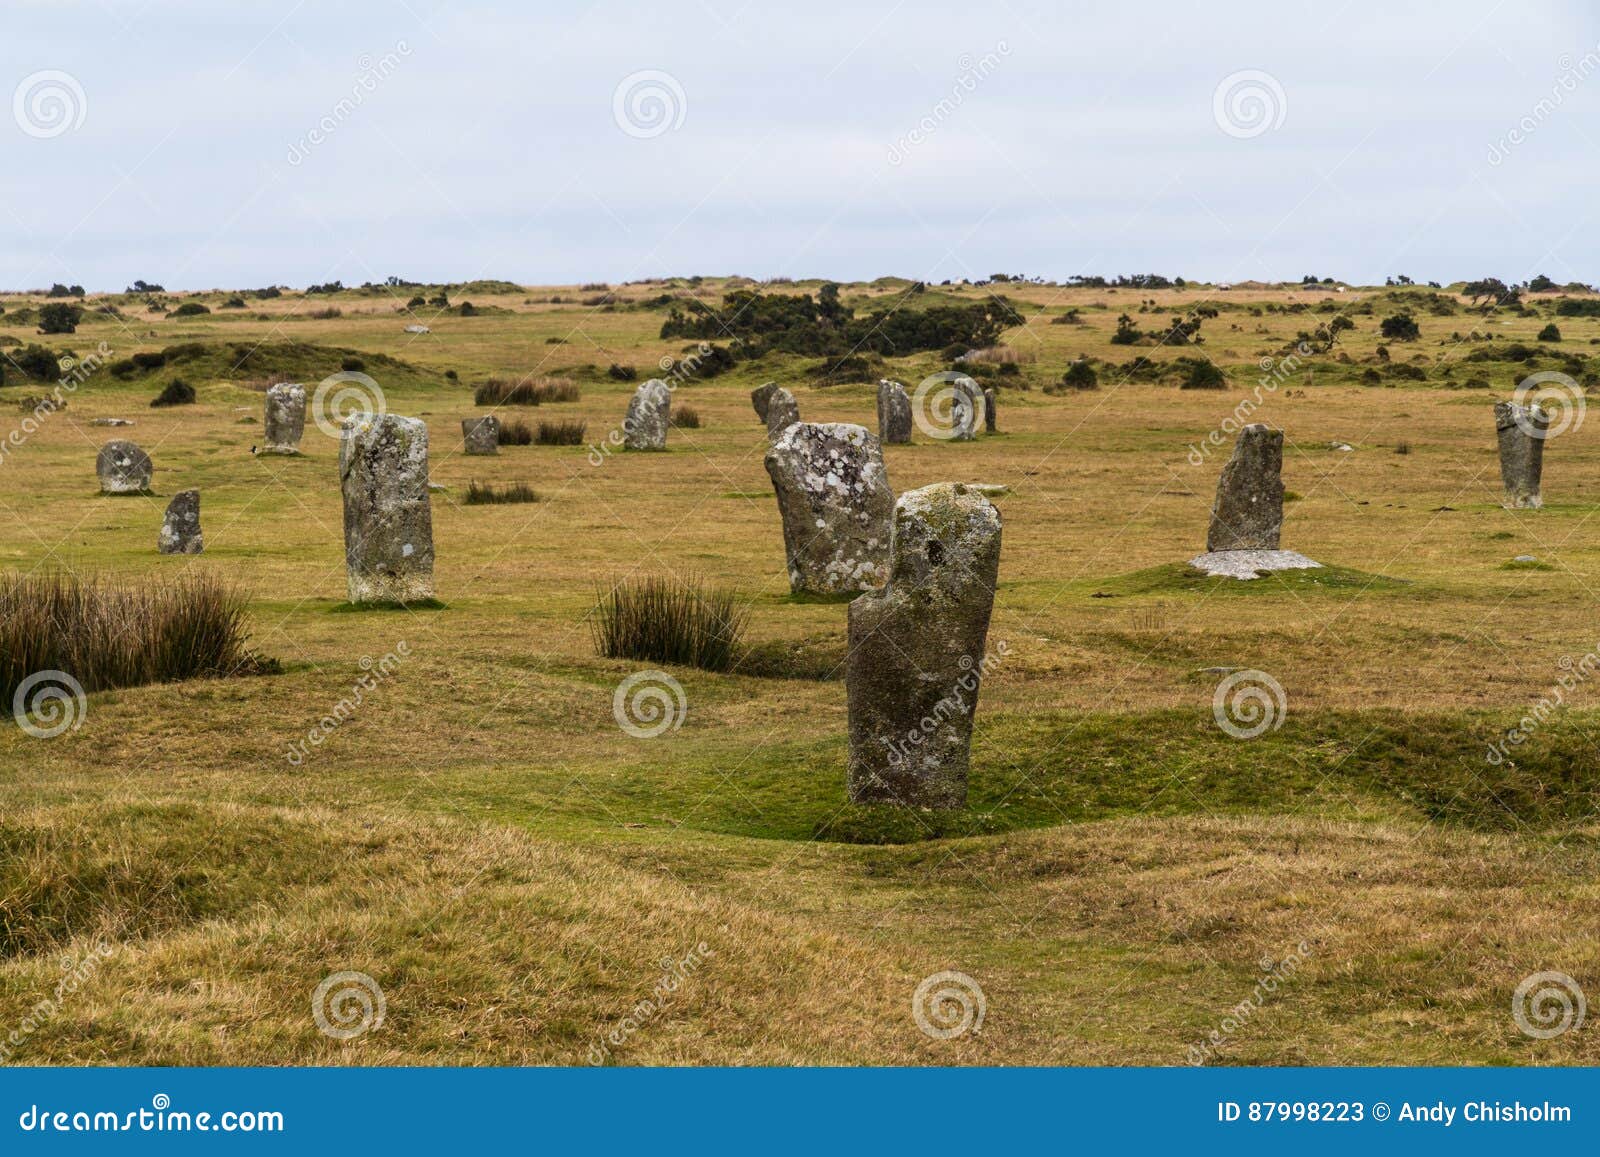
[(110, 421), (917, 651), (1249, 564), (481, 436), (180, 528), (759, 397), (1248, 514), (1526, 558), (782, 412), (123, 468), (894, 413), (836, 505), (645, 427), (418, 329), (388, 520), (285, 418), (1521, 433)]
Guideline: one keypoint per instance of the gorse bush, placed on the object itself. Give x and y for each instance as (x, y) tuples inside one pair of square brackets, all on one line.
[(485, 494), (177, 392), (500, 392), (515, 432), (664, 619), (107, 636)]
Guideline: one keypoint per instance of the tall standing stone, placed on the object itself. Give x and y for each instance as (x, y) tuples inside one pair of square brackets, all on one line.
[(388, 521), (782, 412), (285, 419), (123, 468), (917, 655), (988, 410), (645, 427), (1248, 514), (481, 435), (1521, 430), (966, 409), (760, 396), (180, 529), (894, 413), (834, 498)]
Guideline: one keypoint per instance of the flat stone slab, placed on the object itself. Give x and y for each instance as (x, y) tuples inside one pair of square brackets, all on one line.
[(1249, 564)]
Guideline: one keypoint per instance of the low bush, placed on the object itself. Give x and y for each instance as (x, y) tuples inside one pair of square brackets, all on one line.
[(665, 619), (190, 309), (177, 392)]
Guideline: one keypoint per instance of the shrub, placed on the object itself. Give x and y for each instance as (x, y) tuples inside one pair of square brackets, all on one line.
[(234, 302), (177, 392), (1400, 327), (621, 373), (352, 365), (190, 309), (500, 392), (1550, 333), (152, 360), (484, 494), (664, 619), (1204, 375), (515, 432), (59, 317), (1578, 307), (1080, 375), (1402, 447), (108, 636), (684, 418), (37, 362), (1371, 377), (565, 432), (1127, 333), (468, 309)]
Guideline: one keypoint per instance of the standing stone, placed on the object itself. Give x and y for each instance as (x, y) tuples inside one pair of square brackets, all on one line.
[(481, 435), (759, 397), (285, 418), (836, 505), (388, 522), (782, 412), (917, 651), (123, 468), (966, 404), (894, 413), (1521, 430), (645, 427), (988, 409), (180, 529), (1248, 514)]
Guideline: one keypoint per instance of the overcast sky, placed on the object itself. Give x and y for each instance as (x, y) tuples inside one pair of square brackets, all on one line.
[(204, 145)]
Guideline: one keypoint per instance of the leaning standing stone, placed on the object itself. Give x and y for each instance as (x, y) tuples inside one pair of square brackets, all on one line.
[(123, 468), (917, 651), (645, 427), (894, 413), (285, 419), (1521, 430), (180, 529), (782, 412), (1248, 514), (988, 410), (836, 505), (481, 435), (759, 397), (388, 522)]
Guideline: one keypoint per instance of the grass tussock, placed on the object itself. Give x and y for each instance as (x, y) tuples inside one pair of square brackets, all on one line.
[(486, 494), (665, 619), (562, 432), (533, 392), (105, 635), (685, 418), (516, 432)]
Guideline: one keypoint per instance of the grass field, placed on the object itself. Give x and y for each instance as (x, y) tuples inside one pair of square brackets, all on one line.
[(483, 840)]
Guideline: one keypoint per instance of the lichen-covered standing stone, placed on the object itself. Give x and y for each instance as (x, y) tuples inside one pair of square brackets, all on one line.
[(481, 435), (180, 529), (836, 505), (782, 412), (645, 427), (123, 468), (388, 521), (966, 409), (285, 419), (988, 409), (917, 656), (894, 413), (1521, 430), (1248, 514), (759, 397)]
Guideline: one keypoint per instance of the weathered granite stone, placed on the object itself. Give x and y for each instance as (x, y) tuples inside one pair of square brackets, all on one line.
[(782, 412), (988, 409), (1250, 564), (180, 529), (645, 427), (917, 656), (834, 498), (1248, 514), (388, 520), (759, 397), (123, 468), (285, 419), (894, 413), (481, 435), (966, 409), (1521, 430)]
